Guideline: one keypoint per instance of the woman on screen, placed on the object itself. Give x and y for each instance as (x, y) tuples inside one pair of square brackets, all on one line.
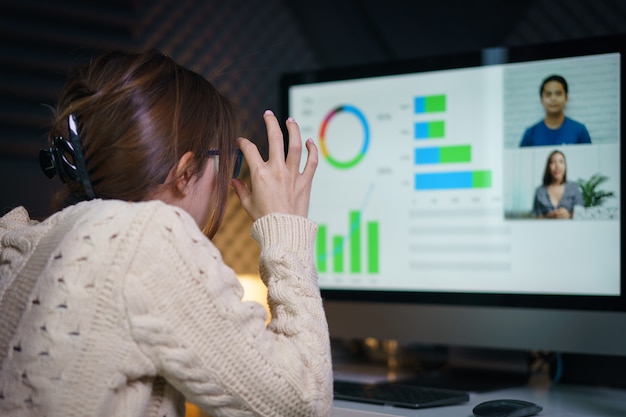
[(555, 128), (557, 197)]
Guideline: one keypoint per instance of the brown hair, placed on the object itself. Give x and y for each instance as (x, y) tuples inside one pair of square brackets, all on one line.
[(547, 174), (137, 114)]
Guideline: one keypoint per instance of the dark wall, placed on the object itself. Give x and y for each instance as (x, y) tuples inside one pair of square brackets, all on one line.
[(347, 32)]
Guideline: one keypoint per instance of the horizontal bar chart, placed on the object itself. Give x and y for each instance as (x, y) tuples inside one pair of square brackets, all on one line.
[(434, 108), (443, 155), (430, 104), (430, 130), (453, 180)]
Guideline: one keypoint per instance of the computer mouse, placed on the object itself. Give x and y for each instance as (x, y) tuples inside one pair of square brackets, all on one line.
[(506, 408)]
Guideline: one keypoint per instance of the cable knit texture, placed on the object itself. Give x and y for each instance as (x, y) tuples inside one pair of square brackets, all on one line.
[(126, 309)]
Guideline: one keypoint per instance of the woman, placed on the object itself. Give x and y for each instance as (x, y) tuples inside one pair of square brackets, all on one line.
[(555, 128), (118, 304), (557, 197)]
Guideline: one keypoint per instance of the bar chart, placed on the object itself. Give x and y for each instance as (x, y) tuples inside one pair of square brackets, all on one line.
[(433, 108), (354, 251), (453, 180)]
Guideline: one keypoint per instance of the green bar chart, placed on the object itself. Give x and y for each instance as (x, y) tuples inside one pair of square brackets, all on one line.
[(355, 251), (433, 108), (430, 104)]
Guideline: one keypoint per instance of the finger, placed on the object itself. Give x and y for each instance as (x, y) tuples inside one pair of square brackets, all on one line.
[(274, 137), (294, 155), (311, 160), (250, 152)]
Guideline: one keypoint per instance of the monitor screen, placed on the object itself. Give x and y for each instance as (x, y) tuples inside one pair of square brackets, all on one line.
[(479, 190)]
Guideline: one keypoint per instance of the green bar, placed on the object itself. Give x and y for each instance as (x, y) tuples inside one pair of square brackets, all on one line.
[(436, 129), (435, 103), (481, 179), (321, 248), (372, 247), (338, 254), (355, 241), (461, 153)]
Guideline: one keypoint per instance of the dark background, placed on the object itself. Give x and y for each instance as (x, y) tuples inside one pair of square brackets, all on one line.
[(251, 43)]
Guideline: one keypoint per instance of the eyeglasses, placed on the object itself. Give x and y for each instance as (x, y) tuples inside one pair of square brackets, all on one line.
[(238, 159)]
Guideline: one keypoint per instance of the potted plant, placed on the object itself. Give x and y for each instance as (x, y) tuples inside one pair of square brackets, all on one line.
[(593, 197)]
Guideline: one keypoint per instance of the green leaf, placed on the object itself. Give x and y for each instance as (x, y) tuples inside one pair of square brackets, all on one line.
[(588, 188)]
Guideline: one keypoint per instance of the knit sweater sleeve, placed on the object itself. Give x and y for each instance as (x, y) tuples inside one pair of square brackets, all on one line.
[(186, 315)]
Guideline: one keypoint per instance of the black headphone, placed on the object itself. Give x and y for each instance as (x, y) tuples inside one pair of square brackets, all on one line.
[(65, 157)]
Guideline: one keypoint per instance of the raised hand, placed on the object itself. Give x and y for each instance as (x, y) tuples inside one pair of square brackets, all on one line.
[(277, 185)]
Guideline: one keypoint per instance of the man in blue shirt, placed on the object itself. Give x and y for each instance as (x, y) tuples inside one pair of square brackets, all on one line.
[(555, 128)]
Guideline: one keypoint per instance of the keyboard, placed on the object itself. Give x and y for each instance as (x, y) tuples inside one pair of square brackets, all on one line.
[(398, 394)]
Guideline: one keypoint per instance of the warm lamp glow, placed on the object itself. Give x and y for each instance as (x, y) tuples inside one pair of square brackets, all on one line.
[(254, 290)]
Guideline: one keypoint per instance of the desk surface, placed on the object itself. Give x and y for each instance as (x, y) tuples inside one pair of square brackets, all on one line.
[(558, 401)]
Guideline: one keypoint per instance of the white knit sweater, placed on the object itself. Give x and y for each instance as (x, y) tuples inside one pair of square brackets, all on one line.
[(110, 308)]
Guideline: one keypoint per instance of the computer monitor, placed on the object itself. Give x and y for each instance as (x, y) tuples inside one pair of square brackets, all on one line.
[(425, 198)]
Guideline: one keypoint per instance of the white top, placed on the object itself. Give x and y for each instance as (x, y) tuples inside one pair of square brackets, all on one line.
[(113, 309)]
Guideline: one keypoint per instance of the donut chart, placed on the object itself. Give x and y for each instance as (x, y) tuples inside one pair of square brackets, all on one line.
[(349, 163)]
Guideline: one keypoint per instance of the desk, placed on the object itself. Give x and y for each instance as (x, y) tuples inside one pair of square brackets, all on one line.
[(558, 401)]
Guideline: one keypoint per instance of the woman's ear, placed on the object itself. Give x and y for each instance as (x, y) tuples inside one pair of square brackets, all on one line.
[(182, 172)]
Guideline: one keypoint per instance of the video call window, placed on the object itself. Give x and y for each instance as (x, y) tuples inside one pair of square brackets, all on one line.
[(584, 148)]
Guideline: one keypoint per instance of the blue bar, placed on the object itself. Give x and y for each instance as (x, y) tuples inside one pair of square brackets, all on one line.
[(420, 104), (421, 130), (427, 156), (444, 180)]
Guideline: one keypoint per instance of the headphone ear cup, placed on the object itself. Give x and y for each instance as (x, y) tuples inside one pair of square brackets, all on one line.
[(47, 161)]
